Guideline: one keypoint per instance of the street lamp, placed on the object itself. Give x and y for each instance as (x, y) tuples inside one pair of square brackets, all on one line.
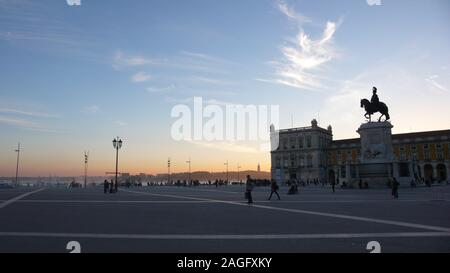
[(189, 173), (168, 171), (117, 144), (17, 166), (226, 163), (238, 167), (86, 157)]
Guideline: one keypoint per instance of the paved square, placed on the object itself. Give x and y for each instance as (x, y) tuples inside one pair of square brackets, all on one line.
[(210, 219)]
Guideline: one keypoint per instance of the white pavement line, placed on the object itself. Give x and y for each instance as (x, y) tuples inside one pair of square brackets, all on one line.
[(111, 201), (341, 216), (227, 236), (12, 200), (205, 201), (232, 192)]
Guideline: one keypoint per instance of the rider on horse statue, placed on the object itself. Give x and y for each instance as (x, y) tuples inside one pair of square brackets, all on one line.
[(375, 100), (374, 105)]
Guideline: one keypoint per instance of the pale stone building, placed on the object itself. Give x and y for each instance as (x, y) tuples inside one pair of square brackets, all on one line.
[(311, 153)]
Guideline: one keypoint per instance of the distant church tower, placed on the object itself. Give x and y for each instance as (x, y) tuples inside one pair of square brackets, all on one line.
[(259, 168)]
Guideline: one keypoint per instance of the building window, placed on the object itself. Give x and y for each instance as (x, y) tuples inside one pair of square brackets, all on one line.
[(439, 152), (349, 156), (292, 141), (308, 141), (402, 154), (426, 151), (278, 162), (414, 152), (285, 144), (300, 142), (339, 156), (302, 160)]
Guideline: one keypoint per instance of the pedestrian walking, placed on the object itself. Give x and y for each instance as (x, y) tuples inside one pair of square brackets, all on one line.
[(105, 186), (333, 185), (274, 189), (395, 185), (248, 190)]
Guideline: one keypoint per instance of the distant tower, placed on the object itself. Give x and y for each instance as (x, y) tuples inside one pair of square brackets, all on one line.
[(259, 168)]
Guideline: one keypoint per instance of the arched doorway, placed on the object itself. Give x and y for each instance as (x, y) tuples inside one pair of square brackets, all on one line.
[(331, 176), (428, 172), (441, 171)]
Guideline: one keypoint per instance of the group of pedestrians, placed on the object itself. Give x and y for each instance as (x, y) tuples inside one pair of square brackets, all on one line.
[(274, 188), (109, 186), (249, 188)]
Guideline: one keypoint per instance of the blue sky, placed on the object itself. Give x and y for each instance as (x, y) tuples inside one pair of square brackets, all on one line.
[(73, 77)]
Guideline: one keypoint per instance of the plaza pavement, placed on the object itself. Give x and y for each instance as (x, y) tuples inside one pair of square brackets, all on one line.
[(209, 219)]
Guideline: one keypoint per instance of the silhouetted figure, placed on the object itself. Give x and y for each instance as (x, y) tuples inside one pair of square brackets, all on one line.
[(105, 186), (248, 190), (360, 184), (333, 185), (374, 105), (375, 101), (111, 187), (274, 189), (395, 185), (293, 189)]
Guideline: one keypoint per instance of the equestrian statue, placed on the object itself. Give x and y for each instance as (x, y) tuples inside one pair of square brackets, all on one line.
[(375, 105)]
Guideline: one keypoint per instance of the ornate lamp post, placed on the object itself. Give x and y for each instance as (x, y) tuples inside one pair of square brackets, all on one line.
[(86, 157), (117, 144), (168, 171)]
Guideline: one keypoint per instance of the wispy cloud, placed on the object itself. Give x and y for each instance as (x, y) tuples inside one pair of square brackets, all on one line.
[(206, 57), (226, 146), (25, 124), (39, 26), (18, 122), (121, 59), (183, 61), (432, 80), (291, 13), (91, 109), (154, 90), (141, 77), (27, 113), (304, 57), (121, 123)]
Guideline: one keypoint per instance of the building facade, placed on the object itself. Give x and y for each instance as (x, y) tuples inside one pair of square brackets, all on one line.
[(310, 153)]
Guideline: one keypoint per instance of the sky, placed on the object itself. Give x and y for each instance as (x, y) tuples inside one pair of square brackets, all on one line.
[(73, 77)]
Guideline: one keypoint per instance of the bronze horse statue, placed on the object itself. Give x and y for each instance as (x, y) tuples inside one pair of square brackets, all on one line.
[(371, 109)]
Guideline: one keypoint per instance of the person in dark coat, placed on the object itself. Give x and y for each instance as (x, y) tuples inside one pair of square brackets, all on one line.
[(105, 186), (333, 185), (274, 189), (395, 185), (248, 190)]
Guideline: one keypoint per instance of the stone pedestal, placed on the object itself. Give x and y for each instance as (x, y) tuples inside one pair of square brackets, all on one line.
[(377, 155)]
